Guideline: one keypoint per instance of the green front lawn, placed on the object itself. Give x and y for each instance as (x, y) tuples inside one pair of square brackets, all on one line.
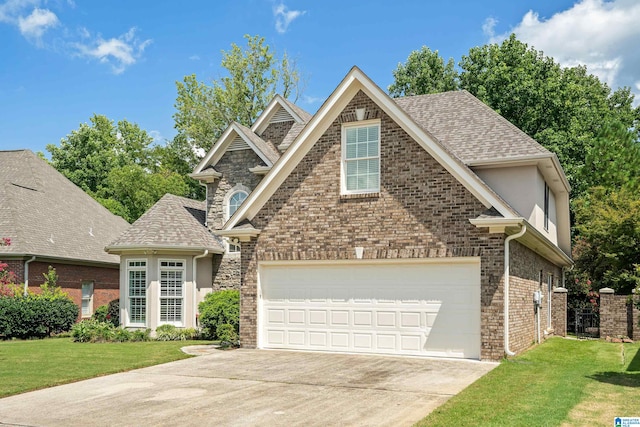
[(561, 382), (30, 365)]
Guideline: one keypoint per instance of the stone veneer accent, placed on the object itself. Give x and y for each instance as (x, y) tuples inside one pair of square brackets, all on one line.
[(226, 271), (421, 211), (234, 167), (275, 132), (524, 280), (559, 312)]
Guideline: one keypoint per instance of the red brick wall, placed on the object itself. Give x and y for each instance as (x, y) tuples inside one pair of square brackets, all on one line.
[(106, 281), (17, 266)]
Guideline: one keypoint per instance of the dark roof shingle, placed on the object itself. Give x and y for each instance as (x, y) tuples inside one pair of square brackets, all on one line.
[(47, 215), (175, 222)]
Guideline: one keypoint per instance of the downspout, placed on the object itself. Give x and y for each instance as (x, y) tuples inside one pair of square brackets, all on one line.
[(26, 274), (195, 287), (507, 350)]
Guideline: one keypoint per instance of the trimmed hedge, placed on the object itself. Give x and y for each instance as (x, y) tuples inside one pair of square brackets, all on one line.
[(35, 316), (217, 309)]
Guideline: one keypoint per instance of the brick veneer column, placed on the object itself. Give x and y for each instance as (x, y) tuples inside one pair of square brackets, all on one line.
[(559, 311), (613, 314), (633, 318)]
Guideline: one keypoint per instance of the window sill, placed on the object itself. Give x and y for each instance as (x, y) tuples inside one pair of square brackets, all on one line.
[(374, 195)]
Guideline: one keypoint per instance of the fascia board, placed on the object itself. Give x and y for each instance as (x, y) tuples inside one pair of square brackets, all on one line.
[(217, 146), (263, 120)]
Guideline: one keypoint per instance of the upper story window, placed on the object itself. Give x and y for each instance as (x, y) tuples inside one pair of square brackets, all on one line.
[(235, 201), (361, 157), (546, 206)]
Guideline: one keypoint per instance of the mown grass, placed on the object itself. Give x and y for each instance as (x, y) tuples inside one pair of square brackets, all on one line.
[(561, 382), (35, 364)]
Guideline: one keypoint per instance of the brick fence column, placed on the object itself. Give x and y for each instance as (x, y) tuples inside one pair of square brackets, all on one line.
[(606, 312), (559, 312), (634, 318)]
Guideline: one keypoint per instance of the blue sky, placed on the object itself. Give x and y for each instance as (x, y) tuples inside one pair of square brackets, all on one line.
[(63, 60)]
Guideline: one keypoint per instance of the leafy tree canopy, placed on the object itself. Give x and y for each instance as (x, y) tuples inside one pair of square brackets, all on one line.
[(254, 75), (117, 165)]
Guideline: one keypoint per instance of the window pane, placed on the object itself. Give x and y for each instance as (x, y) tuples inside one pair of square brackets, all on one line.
[(362, 134), (373, 133), (374, 166), (351, 136), (351, 183)]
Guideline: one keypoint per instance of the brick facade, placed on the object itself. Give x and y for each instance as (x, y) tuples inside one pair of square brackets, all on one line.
[(559, 312), (421, 212), (106, 280), (529, 272), (275, 132)]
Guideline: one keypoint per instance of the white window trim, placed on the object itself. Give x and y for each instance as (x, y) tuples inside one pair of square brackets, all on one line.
[(146, 278), (90, 299), (182, 297), (343, 149), (549, 294), (546, 206)]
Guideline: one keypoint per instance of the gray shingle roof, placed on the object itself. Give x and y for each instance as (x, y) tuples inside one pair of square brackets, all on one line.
[(267, 148), (299, 111), (175, 222), (47, 215), (292, 134), (468, 127)]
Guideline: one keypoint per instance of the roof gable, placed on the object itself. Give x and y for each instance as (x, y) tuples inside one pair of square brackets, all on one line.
[(353, 82), (236, 137), (276, 111)]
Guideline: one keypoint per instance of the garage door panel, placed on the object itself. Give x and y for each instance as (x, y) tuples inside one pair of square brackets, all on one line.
[(414, 309)]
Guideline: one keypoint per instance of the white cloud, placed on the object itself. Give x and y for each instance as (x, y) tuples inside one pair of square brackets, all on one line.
[(157, 137), (311, 99), (488, 27), (284, 17), (603, 35), (120, 52), (11, 10), (39, 21), (194, 58)]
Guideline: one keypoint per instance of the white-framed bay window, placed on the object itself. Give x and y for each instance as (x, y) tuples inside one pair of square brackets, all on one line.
[(361, 157), (137, 292), (172, 280)]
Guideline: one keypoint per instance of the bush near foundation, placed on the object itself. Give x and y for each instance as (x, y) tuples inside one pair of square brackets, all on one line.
[(35, 316), (217, 309)]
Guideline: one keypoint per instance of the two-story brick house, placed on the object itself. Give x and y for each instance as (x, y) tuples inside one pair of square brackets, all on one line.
[(416, 226)]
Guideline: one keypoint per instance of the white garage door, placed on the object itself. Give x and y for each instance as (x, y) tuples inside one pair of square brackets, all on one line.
[(427, 308)]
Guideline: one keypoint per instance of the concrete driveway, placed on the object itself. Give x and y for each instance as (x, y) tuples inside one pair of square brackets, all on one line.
[(253, 387)]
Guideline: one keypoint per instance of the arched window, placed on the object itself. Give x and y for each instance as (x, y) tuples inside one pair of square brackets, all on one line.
[(235, 201)]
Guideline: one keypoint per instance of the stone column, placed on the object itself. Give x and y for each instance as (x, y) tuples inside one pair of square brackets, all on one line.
[(559, 312)]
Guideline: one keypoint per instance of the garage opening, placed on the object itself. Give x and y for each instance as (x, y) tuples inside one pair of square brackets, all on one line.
[(416, 307)]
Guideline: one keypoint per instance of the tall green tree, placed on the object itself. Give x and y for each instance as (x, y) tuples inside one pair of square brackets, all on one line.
[(607, 247), (118, 166), (424, 72), (254, 75), (564, 109)]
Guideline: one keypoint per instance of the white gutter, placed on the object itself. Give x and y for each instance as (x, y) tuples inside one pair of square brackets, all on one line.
[(507, 350), (193, 273), (26, 274)]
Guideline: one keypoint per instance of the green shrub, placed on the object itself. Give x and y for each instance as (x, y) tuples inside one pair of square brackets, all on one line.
[(113, 312), (100, 314), (171, 333), (36, 316), (141, 335), (95, 331), (227, 335), (220, 308)]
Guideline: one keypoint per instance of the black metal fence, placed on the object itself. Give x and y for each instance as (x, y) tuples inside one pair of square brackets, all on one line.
[(587, 323)]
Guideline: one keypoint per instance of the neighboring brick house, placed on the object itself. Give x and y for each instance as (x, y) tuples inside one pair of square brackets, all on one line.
[(52, 222), (382, 225)]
